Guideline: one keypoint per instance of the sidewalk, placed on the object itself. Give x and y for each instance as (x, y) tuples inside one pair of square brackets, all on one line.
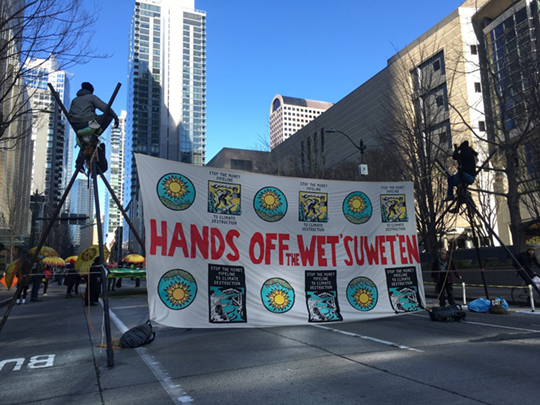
[(50, 353)]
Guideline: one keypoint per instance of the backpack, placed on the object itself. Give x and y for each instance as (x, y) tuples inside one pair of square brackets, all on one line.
[(138, 336), (450, 313), (498, 307)]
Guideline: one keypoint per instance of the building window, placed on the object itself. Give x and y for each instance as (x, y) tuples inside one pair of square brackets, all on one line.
[(482, 126), (477, 87), (437, 65), (440, 101), (239, 164), (474, 49), (443, 138)]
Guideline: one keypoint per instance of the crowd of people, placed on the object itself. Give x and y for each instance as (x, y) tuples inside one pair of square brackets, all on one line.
[(69, 277)]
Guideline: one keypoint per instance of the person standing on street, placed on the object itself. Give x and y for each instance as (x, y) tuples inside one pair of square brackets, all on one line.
[(526, 260), (73, 280), (47, 276), (93, 284), (111, 281), (37, 274), (25, 282), (444, 270)]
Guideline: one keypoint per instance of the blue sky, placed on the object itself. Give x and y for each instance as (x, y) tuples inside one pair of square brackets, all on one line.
[(313, 49)]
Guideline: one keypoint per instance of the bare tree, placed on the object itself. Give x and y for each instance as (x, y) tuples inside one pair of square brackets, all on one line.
[(418, 133), (17, 214), (509, 68), (32, 30)]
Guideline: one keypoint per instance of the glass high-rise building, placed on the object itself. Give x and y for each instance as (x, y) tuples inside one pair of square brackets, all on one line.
[(115, 157), (82, 203), (167, 85), (50, 128)]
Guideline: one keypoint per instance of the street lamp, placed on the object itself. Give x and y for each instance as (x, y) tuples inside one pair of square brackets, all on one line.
[(361, 147)]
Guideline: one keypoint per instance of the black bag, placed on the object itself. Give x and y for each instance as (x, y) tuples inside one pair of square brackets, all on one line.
[(138, 336), (450, 313)]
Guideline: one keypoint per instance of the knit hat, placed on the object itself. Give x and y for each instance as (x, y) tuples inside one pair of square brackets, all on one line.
[(531, 248), (87, 86)]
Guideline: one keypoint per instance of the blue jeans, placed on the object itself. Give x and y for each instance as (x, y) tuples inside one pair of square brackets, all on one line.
[(455, 181)]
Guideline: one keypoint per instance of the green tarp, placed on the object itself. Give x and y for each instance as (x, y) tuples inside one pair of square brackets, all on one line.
[(127, 273)]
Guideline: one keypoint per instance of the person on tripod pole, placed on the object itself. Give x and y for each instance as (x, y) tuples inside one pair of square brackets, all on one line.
[(83, 118), (466, 158)]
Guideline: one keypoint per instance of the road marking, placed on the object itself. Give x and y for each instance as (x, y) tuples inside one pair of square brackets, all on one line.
[(489, 324), (41, 361), (504, 327), (528, 312), (384, 342), (177, 394)]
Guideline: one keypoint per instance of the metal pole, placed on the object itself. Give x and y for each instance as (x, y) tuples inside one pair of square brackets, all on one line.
[(523, 273), (108, 335), (531, 295), (124, 213), (475, 238)]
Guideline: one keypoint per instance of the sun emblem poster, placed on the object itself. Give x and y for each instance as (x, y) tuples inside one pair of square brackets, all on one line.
[(234, 249)]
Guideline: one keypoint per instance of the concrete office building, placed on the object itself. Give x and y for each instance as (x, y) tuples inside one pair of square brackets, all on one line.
[(16, 146), (241, 159), (508, 34), (438, 72), (290, 114)]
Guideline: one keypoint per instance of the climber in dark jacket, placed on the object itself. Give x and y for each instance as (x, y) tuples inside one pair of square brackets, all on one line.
[(466, 158), (83, 118)]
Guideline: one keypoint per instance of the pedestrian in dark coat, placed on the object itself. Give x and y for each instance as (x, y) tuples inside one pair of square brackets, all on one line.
[(527, 259), (73, 279), (444, 271)]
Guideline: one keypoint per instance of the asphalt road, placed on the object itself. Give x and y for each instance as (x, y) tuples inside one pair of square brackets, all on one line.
[(48, 355)]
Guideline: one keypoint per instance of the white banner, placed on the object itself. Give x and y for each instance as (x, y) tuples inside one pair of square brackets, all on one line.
[(246, 250)]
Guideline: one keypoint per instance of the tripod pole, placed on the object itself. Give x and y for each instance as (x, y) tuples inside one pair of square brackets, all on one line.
[(108, 335), (490, 229), (119, 205), (28, 264), (473, 227)]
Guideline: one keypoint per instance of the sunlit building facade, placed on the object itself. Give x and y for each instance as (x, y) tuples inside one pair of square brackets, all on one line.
[(290, 114)]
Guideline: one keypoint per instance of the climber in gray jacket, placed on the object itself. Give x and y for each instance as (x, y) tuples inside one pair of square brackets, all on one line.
[(83, 118), (83, 109)]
